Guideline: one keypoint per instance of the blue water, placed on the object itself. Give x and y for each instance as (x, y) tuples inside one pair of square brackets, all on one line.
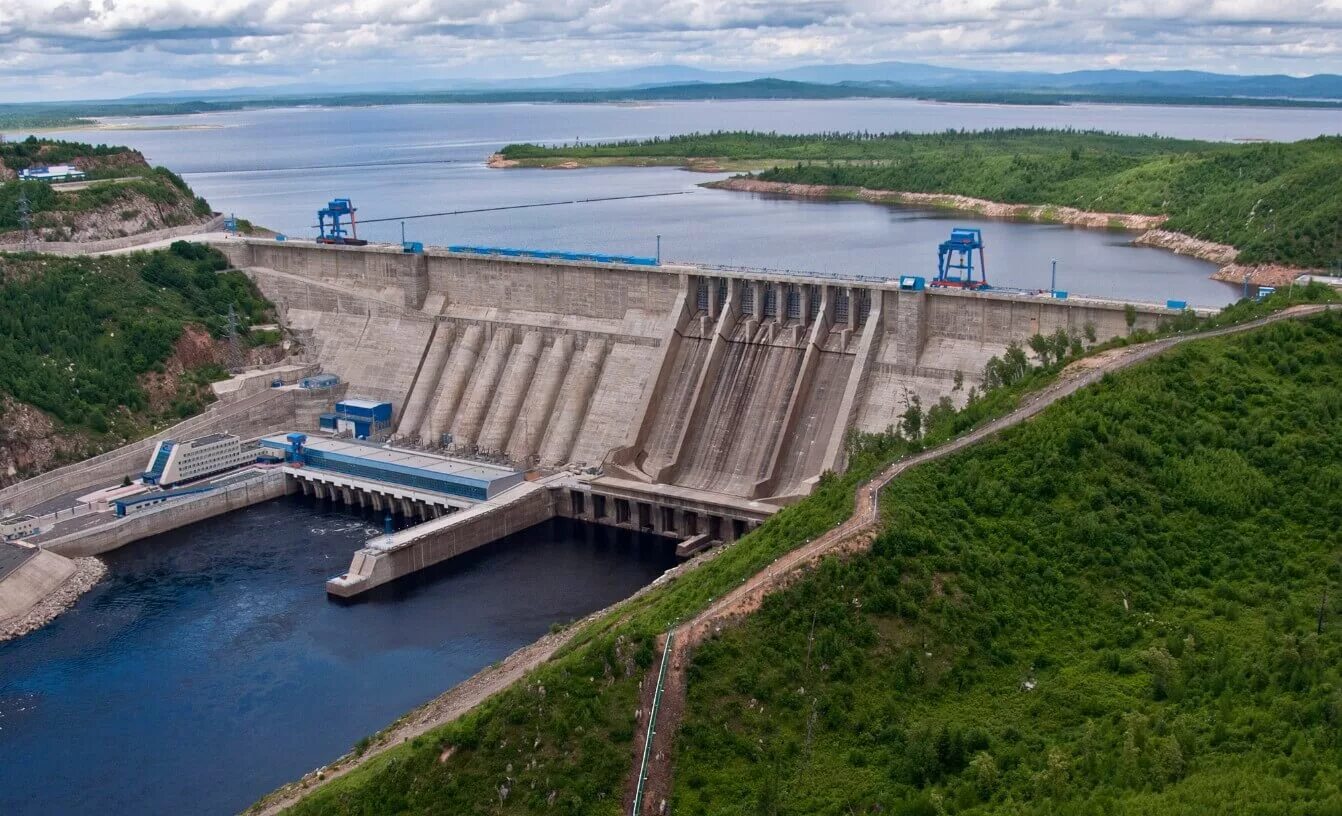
[(277, 167), (209, 667)]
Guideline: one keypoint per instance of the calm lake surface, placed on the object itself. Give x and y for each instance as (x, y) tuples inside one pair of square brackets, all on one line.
[(277, 167), (209, 667)]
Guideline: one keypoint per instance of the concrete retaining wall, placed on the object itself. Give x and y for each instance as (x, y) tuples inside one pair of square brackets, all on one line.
[(31, 582), (147, 523), (86, 247)]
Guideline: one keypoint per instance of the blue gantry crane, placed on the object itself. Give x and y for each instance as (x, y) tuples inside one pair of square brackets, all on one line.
[(335, 233), (955, 260)]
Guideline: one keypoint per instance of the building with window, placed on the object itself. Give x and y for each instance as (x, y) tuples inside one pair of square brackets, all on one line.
[(52, 173), (360, 418), (17, 527), (415, 470), (174, 462)]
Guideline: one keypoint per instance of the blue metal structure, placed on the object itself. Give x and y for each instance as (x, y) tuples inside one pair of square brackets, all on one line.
[(955, 260), (337, 209), (546, 255), (155, 471)]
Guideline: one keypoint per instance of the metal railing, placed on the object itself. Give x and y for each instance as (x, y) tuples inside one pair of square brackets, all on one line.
[(652, 728)]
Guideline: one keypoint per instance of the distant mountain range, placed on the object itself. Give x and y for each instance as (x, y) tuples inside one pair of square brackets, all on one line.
[(888, 75)]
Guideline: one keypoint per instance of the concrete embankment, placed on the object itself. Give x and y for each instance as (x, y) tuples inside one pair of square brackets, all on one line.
[(120, 532), (40, 587)]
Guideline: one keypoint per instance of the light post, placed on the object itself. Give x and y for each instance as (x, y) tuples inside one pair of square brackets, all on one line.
[(1053, 280), (659, 249)]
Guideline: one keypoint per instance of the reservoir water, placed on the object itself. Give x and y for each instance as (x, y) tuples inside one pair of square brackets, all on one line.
[(277, 167), (209, 668)]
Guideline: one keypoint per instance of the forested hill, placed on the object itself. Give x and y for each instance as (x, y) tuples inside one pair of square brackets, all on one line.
[(98, 351), (1127, 606), (125, 197), (1276, 203)]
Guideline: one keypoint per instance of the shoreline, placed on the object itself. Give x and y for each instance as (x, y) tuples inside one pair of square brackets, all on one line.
[(1150, 226), (88, 572)]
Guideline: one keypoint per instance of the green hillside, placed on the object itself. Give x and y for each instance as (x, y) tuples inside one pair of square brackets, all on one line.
[(1125, 606), (78, 333), (1275, 202)]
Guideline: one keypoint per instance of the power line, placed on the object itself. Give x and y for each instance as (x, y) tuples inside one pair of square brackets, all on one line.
[(518, 207)]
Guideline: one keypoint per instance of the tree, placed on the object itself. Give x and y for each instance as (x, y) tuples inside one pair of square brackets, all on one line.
[(912, 424)]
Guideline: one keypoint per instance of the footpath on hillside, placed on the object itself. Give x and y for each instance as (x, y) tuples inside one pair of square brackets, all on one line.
[(853, 535)]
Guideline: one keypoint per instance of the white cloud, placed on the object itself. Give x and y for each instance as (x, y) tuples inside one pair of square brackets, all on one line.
[(97, 48)]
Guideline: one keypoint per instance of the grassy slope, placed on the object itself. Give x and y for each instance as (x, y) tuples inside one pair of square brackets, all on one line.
[(1272, 201), (77, 332), (1151, 553)]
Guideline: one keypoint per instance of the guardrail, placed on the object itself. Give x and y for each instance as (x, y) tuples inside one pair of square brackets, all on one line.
[(652, 727)]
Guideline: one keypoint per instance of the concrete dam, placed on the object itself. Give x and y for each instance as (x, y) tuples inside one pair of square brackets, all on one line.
[(739, 383), (693, 401)]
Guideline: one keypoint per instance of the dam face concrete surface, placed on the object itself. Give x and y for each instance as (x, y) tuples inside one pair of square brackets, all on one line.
[(734, 384)]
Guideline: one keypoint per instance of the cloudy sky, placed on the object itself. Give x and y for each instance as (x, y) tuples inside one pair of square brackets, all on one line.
[(55, 49)]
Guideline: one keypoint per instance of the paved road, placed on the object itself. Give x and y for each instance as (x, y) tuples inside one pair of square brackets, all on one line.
[(11, 556)]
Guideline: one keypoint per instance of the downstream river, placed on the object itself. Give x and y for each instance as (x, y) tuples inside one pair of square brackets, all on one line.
[(209, 667), (277, 167)]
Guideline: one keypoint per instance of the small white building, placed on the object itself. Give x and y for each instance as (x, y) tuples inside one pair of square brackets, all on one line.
[(175, 462), (17, 527), (55, 172)]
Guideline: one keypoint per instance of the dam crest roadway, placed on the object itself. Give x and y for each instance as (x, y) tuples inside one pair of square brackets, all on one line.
[(685, 400)]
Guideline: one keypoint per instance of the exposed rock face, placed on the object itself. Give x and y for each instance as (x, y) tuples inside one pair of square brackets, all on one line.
[(30, 442), (1219, 254), (131, 214)]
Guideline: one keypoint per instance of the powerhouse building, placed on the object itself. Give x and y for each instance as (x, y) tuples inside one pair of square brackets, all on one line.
[(174, 462), (394, 466)]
